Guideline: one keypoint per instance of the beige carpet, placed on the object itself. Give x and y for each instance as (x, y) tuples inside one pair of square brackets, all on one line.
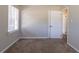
[(40, 46)]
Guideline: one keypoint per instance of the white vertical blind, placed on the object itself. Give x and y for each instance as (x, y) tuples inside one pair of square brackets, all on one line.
[(13, 18)]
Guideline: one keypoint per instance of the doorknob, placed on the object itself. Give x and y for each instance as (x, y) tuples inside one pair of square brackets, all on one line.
[(50, 26)]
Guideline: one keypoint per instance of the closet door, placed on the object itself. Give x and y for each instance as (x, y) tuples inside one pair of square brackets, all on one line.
[(55, 24)]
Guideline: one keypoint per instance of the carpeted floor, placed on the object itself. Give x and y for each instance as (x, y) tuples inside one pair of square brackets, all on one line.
[(40, 46)]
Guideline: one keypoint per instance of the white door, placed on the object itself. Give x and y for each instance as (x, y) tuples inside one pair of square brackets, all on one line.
[(55, 24)]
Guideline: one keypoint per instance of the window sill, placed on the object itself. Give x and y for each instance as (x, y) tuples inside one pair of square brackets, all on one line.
[(12, 31)]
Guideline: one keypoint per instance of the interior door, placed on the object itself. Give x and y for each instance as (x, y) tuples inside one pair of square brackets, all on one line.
[(55, 24)]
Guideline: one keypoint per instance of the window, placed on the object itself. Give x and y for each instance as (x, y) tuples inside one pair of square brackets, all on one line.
[(13, 18)]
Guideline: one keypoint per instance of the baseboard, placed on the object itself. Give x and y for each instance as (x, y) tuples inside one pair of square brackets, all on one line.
[(73, 47), (33, 37), (37, 38), (8, 46)]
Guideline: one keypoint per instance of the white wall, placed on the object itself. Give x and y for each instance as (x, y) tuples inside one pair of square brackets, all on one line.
[(5, 38), (65, 18), (73, 27), (3, 26), (35, 20)]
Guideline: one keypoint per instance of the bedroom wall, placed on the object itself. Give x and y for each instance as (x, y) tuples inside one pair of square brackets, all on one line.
[(35, 20), (6, 39), (72, 27), (3, 27)]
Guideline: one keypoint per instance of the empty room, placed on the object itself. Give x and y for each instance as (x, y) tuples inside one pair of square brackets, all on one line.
[(39, 28)]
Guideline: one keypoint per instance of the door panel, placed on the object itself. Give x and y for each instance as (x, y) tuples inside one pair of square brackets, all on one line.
[(55, 24)]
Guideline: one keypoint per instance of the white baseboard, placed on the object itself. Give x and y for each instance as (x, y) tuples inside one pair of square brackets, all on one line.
[(33, 37), (8, 46), (37, 38), (73, 47)]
